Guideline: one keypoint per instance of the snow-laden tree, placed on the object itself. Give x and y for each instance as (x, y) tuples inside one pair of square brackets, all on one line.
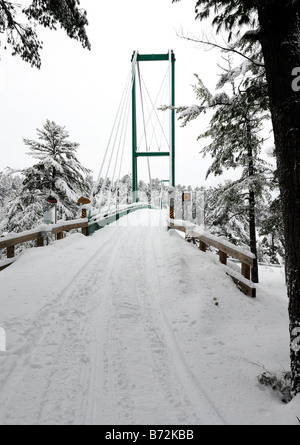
[(239, 111), (226, 212), (10, 186), (26, 211), (57, 173), (18, 25), (271, 232)]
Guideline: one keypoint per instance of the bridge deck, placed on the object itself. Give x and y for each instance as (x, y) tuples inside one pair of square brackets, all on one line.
[(112, 329)]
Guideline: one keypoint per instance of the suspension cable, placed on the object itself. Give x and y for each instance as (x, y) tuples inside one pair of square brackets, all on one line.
[(113, 148), (120, 128), (153, 109), (164, 90), (144, 123), (122, 137), (121, 106)]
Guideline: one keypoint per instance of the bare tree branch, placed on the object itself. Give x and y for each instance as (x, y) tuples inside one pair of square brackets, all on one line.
[(223, 48)]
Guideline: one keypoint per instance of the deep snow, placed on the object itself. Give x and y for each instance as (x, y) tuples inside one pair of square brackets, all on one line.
[(135, 326)]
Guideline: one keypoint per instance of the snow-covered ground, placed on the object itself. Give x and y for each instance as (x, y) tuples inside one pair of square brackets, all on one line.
[(135, 326)]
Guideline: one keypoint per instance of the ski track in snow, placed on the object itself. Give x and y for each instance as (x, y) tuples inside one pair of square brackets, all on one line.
[(137, 376), (52, 350), (106, 350)]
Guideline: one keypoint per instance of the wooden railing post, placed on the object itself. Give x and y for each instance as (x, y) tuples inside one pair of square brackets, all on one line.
[(246, 271), (223, 257), (10, 252), (40, 242), (202, 246)]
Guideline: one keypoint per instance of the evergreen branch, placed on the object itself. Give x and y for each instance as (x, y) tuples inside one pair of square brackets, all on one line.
[(242, 212)]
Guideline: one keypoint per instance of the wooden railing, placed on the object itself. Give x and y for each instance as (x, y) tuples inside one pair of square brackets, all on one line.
[(39, 235), (225, 249), (101, 220)]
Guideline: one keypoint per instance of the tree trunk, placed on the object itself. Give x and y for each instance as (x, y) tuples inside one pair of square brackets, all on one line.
[(280, 39), (252, 213), (253, 244)]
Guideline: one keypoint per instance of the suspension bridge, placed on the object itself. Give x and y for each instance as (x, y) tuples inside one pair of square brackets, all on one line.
[(99, 332), (152, 134)]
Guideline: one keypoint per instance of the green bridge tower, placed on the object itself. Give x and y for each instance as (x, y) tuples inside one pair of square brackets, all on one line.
[(169, 57)]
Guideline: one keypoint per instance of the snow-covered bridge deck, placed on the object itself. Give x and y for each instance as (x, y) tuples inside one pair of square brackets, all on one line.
[(131, 326)]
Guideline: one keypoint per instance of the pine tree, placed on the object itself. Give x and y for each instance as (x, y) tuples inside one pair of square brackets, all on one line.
[(234, 131), (10, 183), (126, 189), (57, 173), (26, 211), (19, 25), (10, 186), (226, 212), (271, 231)]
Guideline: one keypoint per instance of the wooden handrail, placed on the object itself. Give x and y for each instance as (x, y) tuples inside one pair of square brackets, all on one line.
[(39, 235), (68, 227), (11, 242), (225, 249), (211, 240)]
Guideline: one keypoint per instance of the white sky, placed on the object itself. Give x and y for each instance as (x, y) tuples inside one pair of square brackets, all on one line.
[(81, 89)]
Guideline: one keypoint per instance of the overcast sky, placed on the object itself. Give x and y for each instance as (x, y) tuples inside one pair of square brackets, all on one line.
[(81, 89)]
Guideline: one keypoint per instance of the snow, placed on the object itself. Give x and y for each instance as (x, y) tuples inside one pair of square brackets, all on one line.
[(134, 326), (193, 230), (65, 223), (42, 228), (238, 276), (192, 110), (4, 263)]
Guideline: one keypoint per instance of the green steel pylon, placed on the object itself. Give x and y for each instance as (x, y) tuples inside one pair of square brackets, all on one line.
[(170, 56)]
